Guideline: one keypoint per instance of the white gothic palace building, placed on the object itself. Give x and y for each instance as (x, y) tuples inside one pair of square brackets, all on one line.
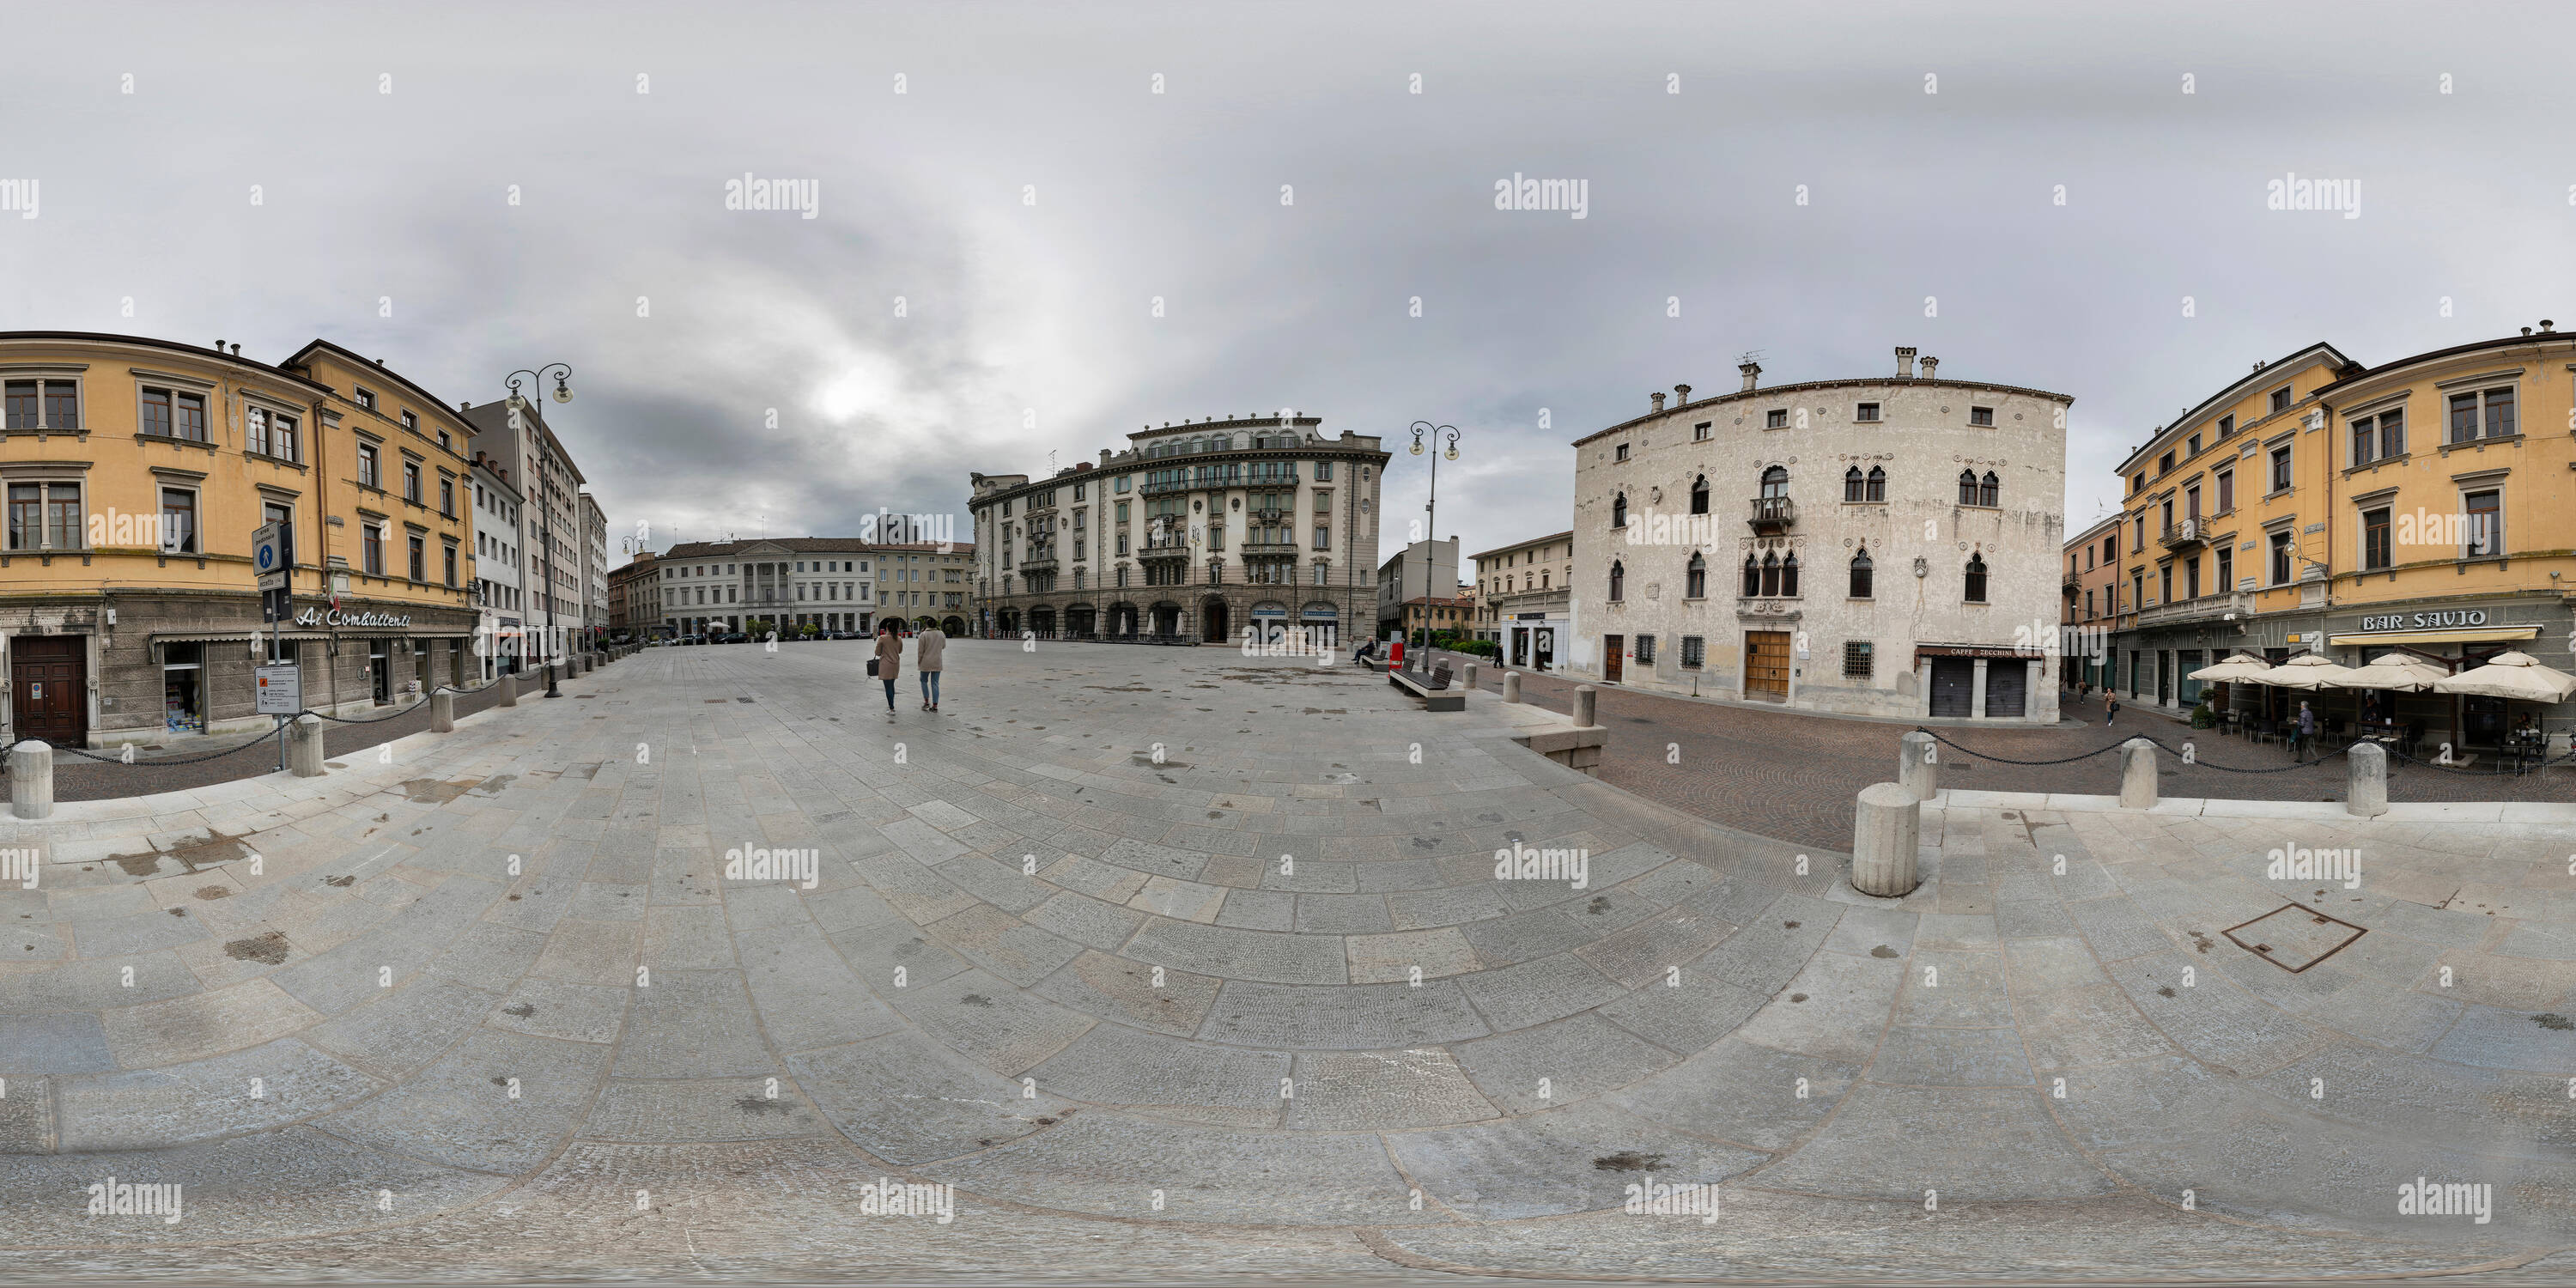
[(1880, 547), (1193, 534)]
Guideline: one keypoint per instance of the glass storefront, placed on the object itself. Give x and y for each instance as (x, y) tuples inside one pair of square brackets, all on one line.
[(183, 688)]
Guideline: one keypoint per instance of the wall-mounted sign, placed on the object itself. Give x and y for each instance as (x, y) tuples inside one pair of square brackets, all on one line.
[(2421, 621), (336, 617)]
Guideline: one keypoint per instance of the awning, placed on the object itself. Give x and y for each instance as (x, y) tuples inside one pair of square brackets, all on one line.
[(2455, 635)]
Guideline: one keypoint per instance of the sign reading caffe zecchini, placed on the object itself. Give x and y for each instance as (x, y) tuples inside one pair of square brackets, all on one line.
[(335, 617), (2426, 621)]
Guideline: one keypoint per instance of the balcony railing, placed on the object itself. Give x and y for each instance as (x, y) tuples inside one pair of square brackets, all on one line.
[(1258, 546), (1269, 516), (2189, 532), (1169, 548), (1772, 515), (1038, 563), (1168, 486), (2202, 608)]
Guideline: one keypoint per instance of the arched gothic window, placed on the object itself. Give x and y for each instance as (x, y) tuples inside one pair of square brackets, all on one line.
[(1770, 575), (1877, 484), (1619, 511), (1752, 577), (1789, 577), (1975, 590), (1618, 581), (1698, 578), (1989, 489), (1854, 489), (1967, 487), (1860, 570), (1699, 495), (1775, 481)]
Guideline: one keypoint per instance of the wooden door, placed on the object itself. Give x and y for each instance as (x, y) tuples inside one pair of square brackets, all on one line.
[(49, 687), (1612, 646), (1766, 665)]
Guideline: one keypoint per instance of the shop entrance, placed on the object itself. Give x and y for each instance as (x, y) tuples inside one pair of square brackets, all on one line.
[(380, 671), (1954, 686), (2007, 689), (183, 687), (49, 688)]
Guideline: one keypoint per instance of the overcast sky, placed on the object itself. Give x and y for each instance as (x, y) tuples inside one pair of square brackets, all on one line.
[(1041, 313)]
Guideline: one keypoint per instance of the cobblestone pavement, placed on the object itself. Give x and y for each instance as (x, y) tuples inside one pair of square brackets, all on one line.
[(1795, 776), (1180, 965), (187, 763)]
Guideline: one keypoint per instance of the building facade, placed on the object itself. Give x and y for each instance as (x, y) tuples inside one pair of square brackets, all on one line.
[(1860, 546), (499, 597), (1196, 532), (634, 599), (1412, 577), (927, 583), (2092, 616), (1525, 598), (137, 471), (594, 569), (2425, 506), (782, 583), (553, 551)]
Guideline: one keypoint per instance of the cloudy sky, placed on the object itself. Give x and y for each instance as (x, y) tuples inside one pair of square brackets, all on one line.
[(1028, 196)]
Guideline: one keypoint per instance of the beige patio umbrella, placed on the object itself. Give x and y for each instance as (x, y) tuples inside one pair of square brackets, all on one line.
[(2518, 676), (2398, 671), (2306, 671), (2236, 669)]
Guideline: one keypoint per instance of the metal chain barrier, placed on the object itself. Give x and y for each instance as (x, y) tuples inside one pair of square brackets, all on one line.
[(2194, 760), (2006, 760), (377, 720), (181, 760), (2502, 766)]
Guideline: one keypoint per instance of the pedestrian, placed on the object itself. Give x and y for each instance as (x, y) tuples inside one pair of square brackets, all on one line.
[(926, 654), (889, 660), (2110, 706), (2305, 741)]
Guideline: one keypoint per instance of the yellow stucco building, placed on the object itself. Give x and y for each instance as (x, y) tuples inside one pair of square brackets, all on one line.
[(136, 472), (2425, 506)]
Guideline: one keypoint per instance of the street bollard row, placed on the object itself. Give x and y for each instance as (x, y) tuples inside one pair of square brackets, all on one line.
[(31, 763)]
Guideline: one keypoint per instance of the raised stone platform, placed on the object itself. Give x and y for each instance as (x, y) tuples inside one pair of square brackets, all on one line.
[(1220, 946)]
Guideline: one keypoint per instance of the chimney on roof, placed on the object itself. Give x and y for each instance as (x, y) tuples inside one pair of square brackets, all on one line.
[(2547, 326), (1681, 396), (1659, 400), (1930, 365), (464, 404), (380, 362), (1104, 456), (2526, 330), (236, 350), (1904, 362), (1752, 373), (219, 344)]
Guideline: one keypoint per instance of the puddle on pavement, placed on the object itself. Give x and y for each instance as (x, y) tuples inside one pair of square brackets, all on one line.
[(267, 949), (433, 791), (194, 856), (1627, 1160)]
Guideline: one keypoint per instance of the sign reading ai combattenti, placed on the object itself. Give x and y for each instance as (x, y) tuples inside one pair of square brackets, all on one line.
[(318, 616), (2423, 621)]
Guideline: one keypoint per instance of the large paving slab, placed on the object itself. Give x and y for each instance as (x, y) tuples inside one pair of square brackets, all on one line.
[(1213, 943)]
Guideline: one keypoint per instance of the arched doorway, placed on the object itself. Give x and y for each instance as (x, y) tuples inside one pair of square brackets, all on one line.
[(1007, 621), (1322, 622), (1081, 621), (1212, 622), (1122, 621), (1167, 619), (953, 625), (1042, 620)]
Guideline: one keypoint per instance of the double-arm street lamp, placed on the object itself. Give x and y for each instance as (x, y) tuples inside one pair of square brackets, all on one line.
[(518, 403), (1431, 522)]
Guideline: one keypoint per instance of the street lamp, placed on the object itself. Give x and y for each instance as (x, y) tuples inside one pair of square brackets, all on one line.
[(562, 373), (1431, 529)]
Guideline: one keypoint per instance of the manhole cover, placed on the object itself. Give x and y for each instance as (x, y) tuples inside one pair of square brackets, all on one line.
[(2293, 937)]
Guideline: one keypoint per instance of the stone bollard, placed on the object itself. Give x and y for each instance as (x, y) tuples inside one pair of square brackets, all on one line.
[(2367, 794), (1469, 674), (509, 686), (304, 746), (2137, 774), (1918, 768), (1511, 686), (1585, 698), (442, 712), (31, 779), (1885, 831)]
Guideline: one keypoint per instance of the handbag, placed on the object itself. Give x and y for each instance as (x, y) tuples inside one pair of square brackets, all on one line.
[(872, 668)]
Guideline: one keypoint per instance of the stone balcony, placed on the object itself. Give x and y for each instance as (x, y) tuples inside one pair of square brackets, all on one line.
[(1770, 516)]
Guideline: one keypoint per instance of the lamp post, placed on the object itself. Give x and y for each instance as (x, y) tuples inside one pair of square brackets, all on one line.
[(1431, 528), (545, 512)]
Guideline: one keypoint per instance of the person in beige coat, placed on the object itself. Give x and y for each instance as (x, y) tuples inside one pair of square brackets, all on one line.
[(926, 650), (889, 661)]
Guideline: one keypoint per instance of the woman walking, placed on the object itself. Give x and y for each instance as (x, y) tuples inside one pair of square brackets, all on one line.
[(889, 661), (2110, 705), (927, 649)]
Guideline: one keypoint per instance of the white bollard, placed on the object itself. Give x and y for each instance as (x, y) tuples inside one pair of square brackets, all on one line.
[(509, 685), (1586, 699), (1886, 828), (2137, 774), (304, 746), (1511, 686), (2367, 792), (442, 712), (1918, 768), (31, 779)]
